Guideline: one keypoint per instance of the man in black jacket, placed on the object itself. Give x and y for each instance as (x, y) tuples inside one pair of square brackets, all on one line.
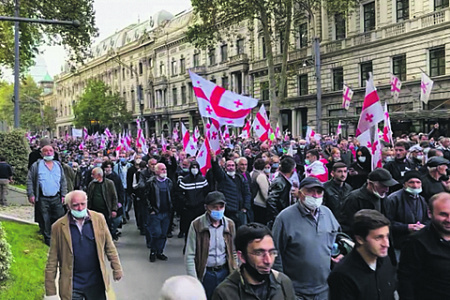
[(336, 189), (366, 273), (400, 165), (431, 182)]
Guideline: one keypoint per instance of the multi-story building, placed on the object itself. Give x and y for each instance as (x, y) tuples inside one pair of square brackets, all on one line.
[(397, 37)]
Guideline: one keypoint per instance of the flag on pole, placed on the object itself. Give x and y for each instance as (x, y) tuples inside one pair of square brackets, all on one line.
[(85, 133), (339, 128), (246, 130), (426, 85), (215, 102), (196, 134), (163, 143), (212, 134), (108, 133), (189, 146), (347, 95), (175, 133), (140, 139), (310, 134), (370, 139), (372, 112), (278, 134), (103, 142), (396, 85), (204, 157), (261, 124), (387, 130)]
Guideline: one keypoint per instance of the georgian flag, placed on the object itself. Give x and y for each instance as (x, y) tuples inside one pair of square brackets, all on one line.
[(426, 85), (196, 134), (347, 95), (108, 133), (310, 134), (189, 146), (372, 112), (215, 102), (396, 85), (204, 157), (246, 130), (339, 128), (175, 133), (261, 124), (212, 134), (371, 140), (85, 133), (103, 142), (278, 134), (140, 139), (163, 143), (387, 130)]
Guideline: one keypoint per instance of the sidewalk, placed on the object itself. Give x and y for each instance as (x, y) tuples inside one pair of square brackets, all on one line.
[(18, 209)]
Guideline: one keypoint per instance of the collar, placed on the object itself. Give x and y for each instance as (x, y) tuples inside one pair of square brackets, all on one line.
[(73, 220), (210, 224)]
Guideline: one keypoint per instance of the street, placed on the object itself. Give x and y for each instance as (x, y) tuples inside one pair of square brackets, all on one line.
[(142, 279)]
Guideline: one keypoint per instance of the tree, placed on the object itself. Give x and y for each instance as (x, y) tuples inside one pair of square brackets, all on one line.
[(276, 18), (98, 105), (32, 35)]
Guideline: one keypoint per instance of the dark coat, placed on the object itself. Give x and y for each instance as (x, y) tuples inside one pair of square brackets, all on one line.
[(279, 197), (335, 195), (430, 186), (191, 191), (109, 194), (153, 197)]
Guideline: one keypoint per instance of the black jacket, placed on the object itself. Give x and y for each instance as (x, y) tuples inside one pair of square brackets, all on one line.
[(334, 196), (430, 187), (153, 197), (403, 209), (279, 197), (192, 190), (353, 279), (397, 168)]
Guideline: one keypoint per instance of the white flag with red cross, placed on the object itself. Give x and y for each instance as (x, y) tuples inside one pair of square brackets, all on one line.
[(310, 134), (246, 130), (372, 112), (339, 128), (347, 95), (426, 85), (396, 85), (108, 133), (85, 133), (212, 134), (387, 130), (204, 157), (196, 134), (261, 124), (372, 142), (215, 102), (189, 146)]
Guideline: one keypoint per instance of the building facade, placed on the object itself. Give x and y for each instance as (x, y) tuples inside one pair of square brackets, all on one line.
[(384, 37)]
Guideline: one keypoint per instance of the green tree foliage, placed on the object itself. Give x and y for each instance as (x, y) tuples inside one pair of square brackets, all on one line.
[(5, 255), (99, 105), (31, 116), (15, 148), (32, 35)]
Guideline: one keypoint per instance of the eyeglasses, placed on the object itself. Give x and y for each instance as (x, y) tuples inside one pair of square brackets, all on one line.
[(262, 253)]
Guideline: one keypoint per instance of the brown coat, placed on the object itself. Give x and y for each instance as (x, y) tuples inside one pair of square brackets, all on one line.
[(60, 256)]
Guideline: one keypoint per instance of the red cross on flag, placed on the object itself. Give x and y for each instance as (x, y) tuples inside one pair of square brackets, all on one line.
[(278, 133), (426, 85), (212, 134), (196, 134), (387, 130), (339, 128), (372, 112), (189, 146), (163, 143), (310, 134), (261, 124), (215, 102), (246, 130), (204, 157), (108, 133), (85, 133), (396, 85), (370, 139), (347, 95)]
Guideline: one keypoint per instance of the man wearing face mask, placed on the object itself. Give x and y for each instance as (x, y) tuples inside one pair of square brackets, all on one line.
[(191, 192), (407, 210), (210, 252), (255, 279), (416, 156), (371, 195), (400, 165), (121, 169), (46, 189), (304, 234), (431, 182)]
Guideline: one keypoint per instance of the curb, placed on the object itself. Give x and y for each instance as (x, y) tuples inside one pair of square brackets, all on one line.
[(4, 217), (15, 189)]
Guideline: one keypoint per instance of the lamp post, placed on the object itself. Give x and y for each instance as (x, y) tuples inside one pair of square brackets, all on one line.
[(16, 19)]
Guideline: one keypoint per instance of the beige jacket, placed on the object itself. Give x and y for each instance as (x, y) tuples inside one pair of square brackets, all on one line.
[(60, 256)]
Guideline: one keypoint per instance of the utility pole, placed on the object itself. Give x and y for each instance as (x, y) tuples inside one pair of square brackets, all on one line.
[(316, 48), (17, 20)]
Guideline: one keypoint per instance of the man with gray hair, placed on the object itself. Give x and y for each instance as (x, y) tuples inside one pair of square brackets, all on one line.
[(103, 196), (183, 287)]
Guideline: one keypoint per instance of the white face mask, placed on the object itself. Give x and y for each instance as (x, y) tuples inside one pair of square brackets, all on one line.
[(163, 175), (414, 192), (419, 157), (194, 171), (313, 203), (232, 173), (362, 159), (378, 194)]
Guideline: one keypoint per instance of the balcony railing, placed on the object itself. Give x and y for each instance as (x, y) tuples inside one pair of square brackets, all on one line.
[(238, 59), (162, 80), (199, 70)]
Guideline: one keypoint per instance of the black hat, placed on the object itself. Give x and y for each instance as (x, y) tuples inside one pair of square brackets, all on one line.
[(412, 174), (214, 197), (382, 176), (437, 161), (310, 182)]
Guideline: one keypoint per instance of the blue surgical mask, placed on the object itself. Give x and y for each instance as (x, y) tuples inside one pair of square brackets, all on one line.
[(185, 169), (79, 214), (48, 157), (123, 160), (414, 191), (307, 162), (217, 214)]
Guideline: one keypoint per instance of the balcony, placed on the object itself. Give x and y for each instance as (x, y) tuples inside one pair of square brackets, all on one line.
[(237, 60), (298, 54), (199, 70), (162, 80)]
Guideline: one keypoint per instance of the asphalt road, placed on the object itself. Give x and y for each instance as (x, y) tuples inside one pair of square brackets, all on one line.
[(142, 279)]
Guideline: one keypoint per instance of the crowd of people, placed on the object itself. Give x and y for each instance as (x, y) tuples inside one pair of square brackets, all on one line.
[(272, 220)]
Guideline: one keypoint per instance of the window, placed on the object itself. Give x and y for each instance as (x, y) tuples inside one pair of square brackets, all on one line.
[(402, 10), (174, 68), (303, 35), (131, 70), (437, 61), (369, 16), (263, 47), (196, 60), (303, 85), (339, 23), (223, 53), (191, 92), (240, 46), (264, 87), (212, 56), (123, 73), (440, 4), (225, 82), (338, 79), (366, 68), (183, 94), (161, 69), (182, 66), (399, 66), (141, 69), (174, 96), (150, 63)]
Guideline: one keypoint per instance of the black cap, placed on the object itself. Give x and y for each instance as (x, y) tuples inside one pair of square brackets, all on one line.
[(310, 182), (382, 176), (412, 174), (437, 161), (214, 197)]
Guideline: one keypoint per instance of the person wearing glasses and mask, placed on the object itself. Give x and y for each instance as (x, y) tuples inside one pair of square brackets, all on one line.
[(255, 279), (304, 234)]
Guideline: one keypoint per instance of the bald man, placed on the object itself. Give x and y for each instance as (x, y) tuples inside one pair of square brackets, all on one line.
[(182, 287)]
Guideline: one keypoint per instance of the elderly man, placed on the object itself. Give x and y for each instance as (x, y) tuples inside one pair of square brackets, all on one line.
[(182, 287), (103, 197), (210, 251), (256, 279), (424, 269), (431, 182), (304, 234), (80, 241), (46, 189), (159, 205)]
